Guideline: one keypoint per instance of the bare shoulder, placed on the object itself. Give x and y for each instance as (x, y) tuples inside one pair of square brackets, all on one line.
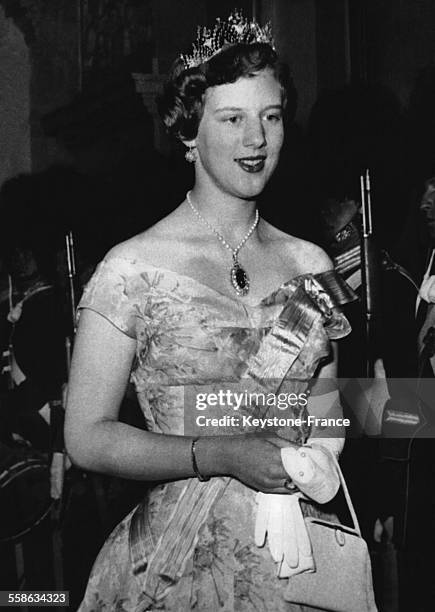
[(131, 249), (306, 256), (313, 257)]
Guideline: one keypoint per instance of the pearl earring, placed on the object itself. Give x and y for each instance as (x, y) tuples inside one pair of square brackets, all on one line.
[(190, 155)]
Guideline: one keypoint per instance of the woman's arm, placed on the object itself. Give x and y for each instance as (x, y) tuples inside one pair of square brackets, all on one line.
[(324, 403), (97, 441)]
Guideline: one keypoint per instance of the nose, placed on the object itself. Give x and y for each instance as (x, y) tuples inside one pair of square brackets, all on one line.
[(254, 134)]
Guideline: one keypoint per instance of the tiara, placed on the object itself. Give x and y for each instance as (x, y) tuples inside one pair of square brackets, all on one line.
[(237, 29)]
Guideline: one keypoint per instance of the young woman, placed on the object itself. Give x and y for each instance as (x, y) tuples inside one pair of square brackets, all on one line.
[(211, 296)]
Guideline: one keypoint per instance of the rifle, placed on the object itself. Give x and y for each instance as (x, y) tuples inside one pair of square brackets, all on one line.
[(370, 274)]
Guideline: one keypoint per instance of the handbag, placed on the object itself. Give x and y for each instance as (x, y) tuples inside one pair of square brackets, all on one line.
[(342, 579)]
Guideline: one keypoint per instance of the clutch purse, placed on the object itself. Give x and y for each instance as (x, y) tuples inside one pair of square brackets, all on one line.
[(342, 579)]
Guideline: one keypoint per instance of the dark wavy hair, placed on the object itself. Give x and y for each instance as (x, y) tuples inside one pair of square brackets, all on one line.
[(182, 101)]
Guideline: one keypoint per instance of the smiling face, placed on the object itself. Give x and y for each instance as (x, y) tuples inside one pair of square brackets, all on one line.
[(240, 135)]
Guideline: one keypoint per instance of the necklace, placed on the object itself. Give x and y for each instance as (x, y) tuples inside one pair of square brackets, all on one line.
[(239, 276)]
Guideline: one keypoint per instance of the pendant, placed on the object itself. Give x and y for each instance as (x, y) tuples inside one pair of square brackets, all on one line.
[(239, 278)]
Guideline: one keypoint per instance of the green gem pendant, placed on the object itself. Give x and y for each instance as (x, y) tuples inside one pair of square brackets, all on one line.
[(239, 279)]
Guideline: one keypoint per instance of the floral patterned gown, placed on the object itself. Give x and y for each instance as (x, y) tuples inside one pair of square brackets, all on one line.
[(190, 545)]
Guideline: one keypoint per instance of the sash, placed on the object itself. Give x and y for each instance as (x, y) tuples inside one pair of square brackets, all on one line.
[(159, 567)]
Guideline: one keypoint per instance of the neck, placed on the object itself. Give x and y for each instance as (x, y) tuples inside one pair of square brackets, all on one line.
[(230, 216)]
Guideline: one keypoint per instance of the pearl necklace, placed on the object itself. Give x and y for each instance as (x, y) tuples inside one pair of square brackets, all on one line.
[(239, 276)]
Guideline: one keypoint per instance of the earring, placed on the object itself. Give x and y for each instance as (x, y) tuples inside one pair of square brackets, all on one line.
[(190, 155)]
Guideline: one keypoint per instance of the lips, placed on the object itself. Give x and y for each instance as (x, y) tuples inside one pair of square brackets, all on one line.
[(252, 164)]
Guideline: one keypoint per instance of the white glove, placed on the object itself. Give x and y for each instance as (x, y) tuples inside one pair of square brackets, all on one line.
[(312, 469), (279, 518), (427, 289)]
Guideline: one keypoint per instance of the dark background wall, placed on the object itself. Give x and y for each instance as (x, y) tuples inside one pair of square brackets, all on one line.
[(396, 38), (401, 40), (50, 32), (54, 109)]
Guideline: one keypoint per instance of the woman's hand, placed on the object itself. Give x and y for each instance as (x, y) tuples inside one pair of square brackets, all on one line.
[(256, 461)]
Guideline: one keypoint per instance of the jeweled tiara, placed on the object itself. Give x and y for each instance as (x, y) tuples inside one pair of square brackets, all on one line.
[(237, 29)]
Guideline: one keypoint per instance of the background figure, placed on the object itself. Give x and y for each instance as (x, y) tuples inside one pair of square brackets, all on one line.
[(425, 308), (385, 495), (33, 336), (35, 321), (406, 468), (36, 325), (418, 532), (350, 129), (340, 235)]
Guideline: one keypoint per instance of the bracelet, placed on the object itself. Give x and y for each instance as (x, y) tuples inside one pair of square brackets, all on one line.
[(198, 474)]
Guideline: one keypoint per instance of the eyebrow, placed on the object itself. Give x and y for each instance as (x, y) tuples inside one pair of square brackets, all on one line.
[(233, 109)]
